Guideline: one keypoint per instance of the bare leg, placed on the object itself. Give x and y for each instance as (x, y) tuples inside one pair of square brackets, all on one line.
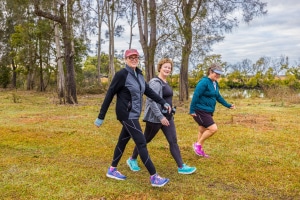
[(200, 133), (205, 133)]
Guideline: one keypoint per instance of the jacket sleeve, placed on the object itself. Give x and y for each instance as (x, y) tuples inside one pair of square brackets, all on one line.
[(153, 95), (115, 86), (156, 86), (221, 100), (198, 92)]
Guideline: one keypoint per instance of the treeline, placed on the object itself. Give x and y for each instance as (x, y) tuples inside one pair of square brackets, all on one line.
[(263, 74), (45, 44)]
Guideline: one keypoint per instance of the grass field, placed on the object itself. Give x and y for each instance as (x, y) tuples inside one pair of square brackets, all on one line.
[(51, 151)]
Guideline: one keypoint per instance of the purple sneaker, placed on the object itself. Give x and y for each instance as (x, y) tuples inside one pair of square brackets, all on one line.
[(157, 181), (199, 151), (114, 173)]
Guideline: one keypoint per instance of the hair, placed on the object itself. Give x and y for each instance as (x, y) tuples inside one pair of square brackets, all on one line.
[(163, 61), (212, 67)]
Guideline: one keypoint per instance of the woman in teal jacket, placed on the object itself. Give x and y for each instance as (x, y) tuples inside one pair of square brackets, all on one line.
[(203, 103)]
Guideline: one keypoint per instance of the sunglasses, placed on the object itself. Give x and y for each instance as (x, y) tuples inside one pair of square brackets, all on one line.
[(132, 58)]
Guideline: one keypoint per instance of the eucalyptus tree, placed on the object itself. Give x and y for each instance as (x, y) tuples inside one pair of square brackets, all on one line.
[(194, 25), (30, 45), (114, 10), (95, 23), (279, 64), (295, 71), (146, 17), (261, 65), (65, 18), (13, 12), (130, 14), (245, 67)]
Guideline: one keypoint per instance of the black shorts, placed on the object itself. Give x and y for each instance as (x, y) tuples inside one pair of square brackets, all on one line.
[(204, 118)]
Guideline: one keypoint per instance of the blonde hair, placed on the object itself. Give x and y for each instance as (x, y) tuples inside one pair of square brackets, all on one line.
[(163, 61)]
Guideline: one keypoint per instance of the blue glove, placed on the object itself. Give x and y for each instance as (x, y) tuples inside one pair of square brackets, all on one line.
[(98, 122), (166, 108), (166, 105)]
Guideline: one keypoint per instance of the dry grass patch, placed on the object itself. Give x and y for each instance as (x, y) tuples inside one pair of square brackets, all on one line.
[(50, 151)]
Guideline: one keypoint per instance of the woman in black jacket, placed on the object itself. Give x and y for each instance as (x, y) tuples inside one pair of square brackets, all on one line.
[(129, 85)]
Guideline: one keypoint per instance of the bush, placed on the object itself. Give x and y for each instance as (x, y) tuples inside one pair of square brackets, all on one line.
[(282, 93)]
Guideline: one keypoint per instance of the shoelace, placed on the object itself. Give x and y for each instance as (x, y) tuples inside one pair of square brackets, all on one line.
[(157, 179), (117, 173)]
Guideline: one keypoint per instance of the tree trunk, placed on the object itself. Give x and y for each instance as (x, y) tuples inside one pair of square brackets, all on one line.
[(42, 85), (60, 70), (100, 13), (28, 82), (66, 25), (149, 51), (111, 31), (153, 42), (183, 77), (186, 51), (14, 74)]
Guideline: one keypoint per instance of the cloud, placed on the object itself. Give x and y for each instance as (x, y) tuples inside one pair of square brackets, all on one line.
[(272, 35)]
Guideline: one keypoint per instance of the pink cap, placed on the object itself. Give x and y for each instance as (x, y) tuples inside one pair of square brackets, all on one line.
[(130, 52)]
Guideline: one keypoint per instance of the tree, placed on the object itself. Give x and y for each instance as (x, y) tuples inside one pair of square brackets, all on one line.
[(4, 76), (114, 10), (65, 19), (14, 12), (131, 19), (148, 43), (97, 21), (201, 23)]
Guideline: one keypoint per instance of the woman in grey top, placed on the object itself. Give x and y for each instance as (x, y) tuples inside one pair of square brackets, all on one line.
[(157, 119)]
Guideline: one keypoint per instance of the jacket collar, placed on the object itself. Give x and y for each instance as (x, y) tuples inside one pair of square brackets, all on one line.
[(137, 70)]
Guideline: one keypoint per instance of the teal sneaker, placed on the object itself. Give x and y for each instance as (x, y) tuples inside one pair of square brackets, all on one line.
[(186, 169), (133, 165)]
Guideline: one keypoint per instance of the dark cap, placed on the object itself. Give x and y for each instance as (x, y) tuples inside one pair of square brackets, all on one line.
[(217, 68), (130, 52)]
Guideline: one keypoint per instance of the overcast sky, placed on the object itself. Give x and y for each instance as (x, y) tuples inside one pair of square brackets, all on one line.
[(273, 35)]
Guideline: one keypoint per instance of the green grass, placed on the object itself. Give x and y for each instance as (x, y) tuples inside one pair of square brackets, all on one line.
[(51, 151)]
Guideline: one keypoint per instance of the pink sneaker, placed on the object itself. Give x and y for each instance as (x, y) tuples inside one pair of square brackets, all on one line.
[(199, 151)]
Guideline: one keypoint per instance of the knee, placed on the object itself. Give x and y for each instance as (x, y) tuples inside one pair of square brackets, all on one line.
[(213, 129), (141, 145)]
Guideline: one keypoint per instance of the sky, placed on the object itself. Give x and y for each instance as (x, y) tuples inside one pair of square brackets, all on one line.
[(273, 35)]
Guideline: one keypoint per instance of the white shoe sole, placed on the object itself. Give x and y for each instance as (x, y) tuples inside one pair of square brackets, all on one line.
[(154, 185), (111, 176)]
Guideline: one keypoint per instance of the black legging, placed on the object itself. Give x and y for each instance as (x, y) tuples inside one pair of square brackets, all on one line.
[(170, 133), (132, 129)]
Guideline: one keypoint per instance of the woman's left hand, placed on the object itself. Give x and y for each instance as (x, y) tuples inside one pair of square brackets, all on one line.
[(165, 121)]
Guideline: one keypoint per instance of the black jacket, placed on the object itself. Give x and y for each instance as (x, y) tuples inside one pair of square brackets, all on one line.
[(129, 89)]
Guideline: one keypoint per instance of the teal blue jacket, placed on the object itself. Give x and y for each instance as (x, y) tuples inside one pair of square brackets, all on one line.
[(206, 96)]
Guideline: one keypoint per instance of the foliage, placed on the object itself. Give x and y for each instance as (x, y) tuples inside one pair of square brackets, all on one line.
[(50, 151), (282, 93), (89, 73), (5, 74), (173, 80)]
